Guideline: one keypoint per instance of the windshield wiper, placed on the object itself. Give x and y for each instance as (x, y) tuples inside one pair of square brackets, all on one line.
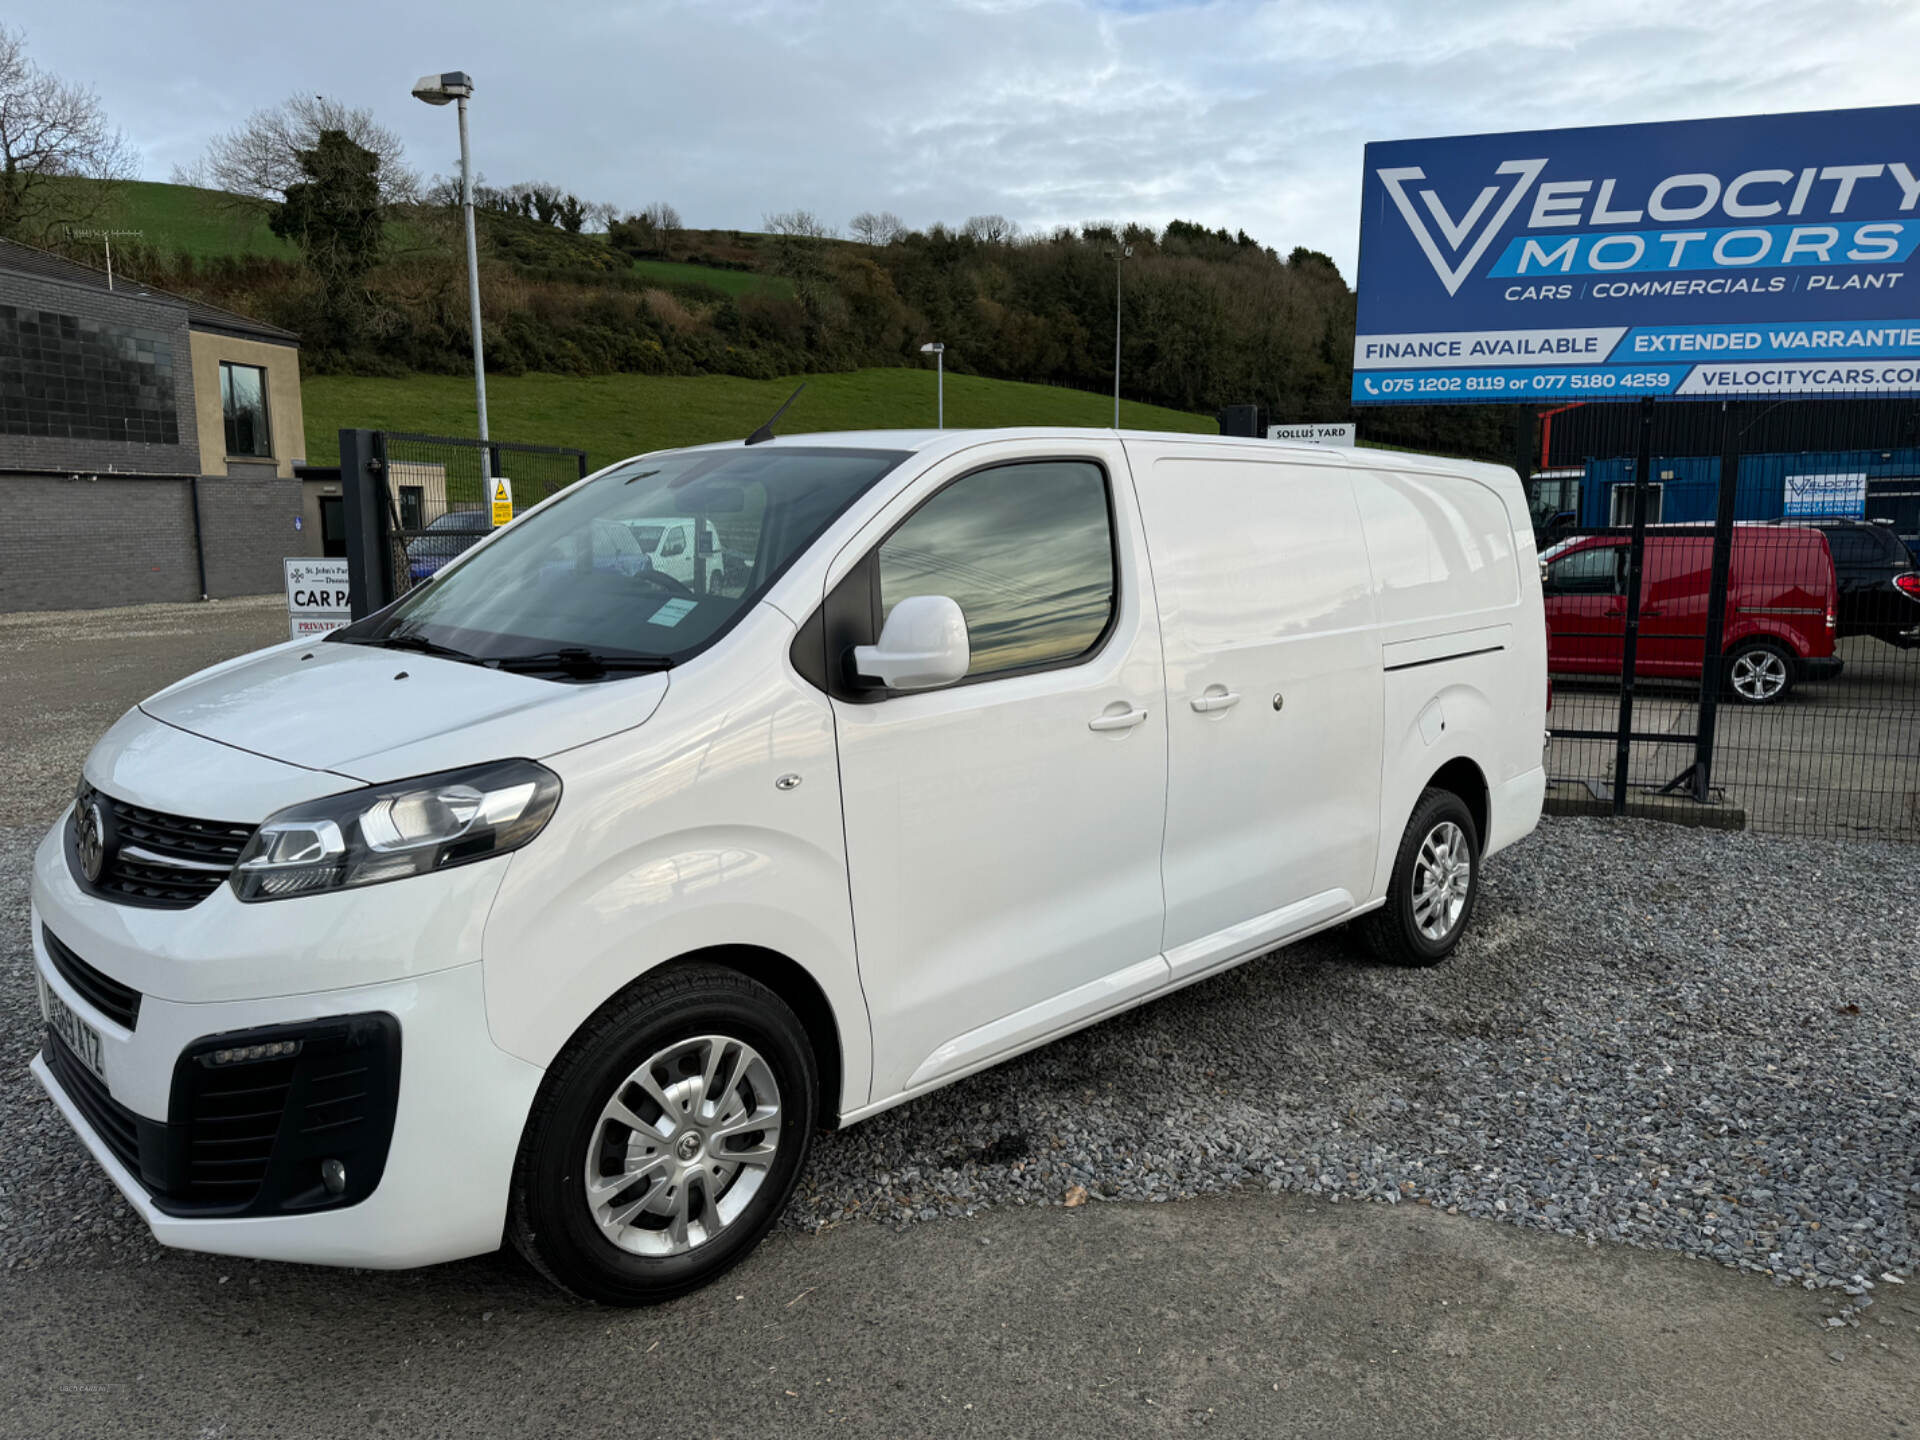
[(581, 663), (409, 640)]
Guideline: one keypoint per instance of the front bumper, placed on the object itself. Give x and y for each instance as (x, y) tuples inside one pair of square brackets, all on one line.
[(461, 1101), (462, 1104)]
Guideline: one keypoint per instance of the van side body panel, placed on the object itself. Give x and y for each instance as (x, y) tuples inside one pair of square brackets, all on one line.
[(676, 840), (1273, 689), (1463, 640)]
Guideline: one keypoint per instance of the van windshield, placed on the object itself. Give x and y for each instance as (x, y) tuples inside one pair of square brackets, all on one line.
[(589, 579)]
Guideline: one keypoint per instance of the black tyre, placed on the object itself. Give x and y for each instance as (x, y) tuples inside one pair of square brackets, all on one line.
[(1436, 879), (666, 1138), (1760, 672)]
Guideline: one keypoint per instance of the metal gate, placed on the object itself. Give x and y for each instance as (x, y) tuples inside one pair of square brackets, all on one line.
[(1684, 546), (1744, 672), (416, 502)]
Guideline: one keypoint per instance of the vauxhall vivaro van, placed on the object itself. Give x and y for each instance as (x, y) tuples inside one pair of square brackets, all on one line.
[(563, 899)]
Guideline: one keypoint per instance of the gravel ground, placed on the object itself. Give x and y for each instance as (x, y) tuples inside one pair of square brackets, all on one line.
[(1659, 1036)]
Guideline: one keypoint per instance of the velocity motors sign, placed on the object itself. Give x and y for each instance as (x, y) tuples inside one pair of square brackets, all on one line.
[(1712, 258)]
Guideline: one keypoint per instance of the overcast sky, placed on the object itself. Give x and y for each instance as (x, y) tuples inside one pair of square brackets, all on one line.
[(1235, 113)]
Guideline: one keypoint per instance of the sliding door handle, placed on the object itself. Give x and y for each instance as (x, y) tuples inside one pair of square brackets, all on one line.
[(1214, 698), (1113, 718)]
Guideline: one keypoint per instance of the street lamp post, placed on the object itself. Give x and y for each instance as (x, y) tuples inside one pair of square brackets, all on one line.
[(1123, 254), (457, 86), (939, 351)]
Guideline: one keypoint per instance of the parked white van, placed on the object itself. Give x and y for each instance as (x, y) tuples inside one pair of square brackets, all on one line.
[(562, 902)]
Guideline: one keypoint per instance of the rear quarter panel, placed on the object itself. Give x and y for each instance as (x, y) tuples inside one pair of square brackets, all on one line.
[(1464, 638)]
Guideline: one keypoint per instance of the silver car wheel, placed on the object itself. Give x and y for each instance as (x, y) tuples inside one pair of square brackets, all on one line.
[(682, 1146), (1759, 674), (1442, 876)]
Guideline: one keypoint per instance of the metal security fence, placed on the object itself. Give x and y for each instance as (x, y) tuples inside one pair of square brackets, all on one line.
[(416, 502), (1734, 608)]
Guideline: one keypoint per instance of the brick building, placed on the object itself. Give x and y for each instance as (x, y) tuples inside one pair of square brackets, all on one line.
[(147, 442)]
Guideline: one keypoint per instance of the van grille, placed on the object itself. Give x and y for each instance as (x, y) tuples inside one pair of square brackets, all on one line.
[(119, 1003), (157, 860)]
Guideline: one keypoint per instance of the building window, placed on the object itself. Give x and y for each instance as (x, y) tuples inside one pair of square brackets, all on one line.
[(243, 405)]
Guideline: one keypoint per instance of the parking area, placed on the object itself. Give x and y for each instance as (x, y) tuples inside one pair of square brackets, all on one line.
[(1837, 758), (1656, 1047)]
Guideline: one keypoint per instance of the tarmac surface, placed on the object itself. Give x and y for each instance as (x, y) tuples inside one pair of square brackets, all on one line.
[(1245, 1315)]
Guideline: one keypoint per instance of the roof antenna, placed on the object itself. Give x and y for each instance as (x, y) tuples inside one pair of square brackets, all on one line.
[(765, 432)]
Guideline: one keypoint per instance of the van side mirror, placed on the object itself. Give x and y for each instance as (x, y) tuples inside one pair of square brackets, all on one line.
[(923, 644)]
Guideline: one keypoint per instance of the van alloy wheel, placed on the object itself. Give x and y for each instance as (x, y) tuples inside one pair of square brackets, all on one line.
[(683, 1145), (1430, 897), (1442, 877), (666, 1137), (1758, 675)]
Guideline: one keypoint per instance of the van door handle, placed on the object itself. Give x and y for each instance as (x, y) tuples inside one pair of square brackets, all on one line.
[(1215, 697), (1111, 719)]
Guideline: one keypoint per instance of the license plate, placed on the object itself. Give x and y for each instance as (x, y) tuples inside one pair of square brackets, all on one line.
[(81, 1037)]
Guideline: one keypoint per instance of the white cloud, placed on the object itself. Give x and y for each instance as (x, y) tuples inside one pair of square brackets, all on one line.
[(1236, 113)]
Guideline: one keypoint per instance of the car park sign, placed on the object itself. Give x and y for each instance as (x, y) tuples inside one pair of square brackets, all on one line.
[(1764, 255), (318, 597)]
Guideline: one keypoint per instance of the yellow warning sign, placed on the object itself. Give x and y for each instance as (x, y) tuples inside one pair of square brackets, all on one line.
[(502, 500)]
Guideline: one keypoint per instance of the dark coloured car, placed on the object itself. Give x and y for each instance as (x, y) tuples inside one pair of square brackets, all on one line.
[(1870, 561), (448, 536)]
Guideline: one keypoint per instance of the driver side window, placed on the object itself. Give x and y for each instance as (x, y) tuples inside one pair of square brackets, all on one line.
[(676, 541), (1027, 552), (1593, 571)]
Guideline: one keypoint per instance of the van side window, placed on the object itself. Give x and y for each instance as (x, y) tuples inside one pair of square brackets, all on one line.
[(1593, 571), (1026, 550), (676, 541)]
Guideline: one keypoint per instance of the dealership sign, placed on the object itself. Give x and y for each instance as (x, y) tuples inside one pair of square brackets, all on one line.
[(1713, 258)]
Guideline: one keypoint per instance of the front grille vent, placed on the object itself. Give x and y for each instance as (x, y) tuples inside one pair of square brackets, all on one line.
[(119, 1003), (111, 1120), (157, 860), (252, 1137), (234, 1122)]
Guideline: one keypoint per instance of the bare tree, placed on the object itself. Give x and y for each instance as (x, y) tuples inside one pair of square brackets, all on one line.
[(260, 159), (991, 230), (49, 131), (665, 223), (803, 223), (881, 227), (601, 214)]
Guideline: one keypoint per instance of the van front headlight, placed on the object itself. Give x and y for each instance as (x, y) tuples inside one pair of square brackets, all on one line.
[(388, 832)]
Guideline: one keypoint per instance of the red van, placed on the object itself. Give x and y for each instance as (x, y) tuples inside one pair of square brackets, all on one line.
[(1782, 607)]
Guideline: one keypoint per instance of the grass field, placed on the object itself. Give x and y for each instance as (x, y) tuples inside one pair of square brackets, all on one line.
[(728, 282), (204, 223), (612, 416)]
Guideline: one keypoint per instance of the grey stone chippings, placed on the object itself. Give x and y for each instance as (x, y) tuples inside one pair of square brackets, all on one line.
[(1663, 1037), (1672, 1038)]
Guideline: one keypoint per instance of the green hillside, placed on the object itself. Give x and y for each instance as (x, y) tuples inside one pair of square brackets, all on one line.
[(612, 416), (207, 224), (728, 282)]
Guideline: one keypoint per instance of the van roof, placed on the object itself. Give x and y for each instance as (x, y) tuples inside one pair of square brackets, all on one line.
[(946, 441)]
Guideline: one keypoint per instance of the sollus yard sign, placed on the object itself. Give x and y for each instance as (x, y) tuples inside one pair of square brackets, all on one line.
[(1765, 255)]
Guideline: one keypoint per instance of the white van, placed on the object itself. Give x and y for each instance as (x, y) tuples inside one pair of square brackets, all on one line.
[(560, 901)]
